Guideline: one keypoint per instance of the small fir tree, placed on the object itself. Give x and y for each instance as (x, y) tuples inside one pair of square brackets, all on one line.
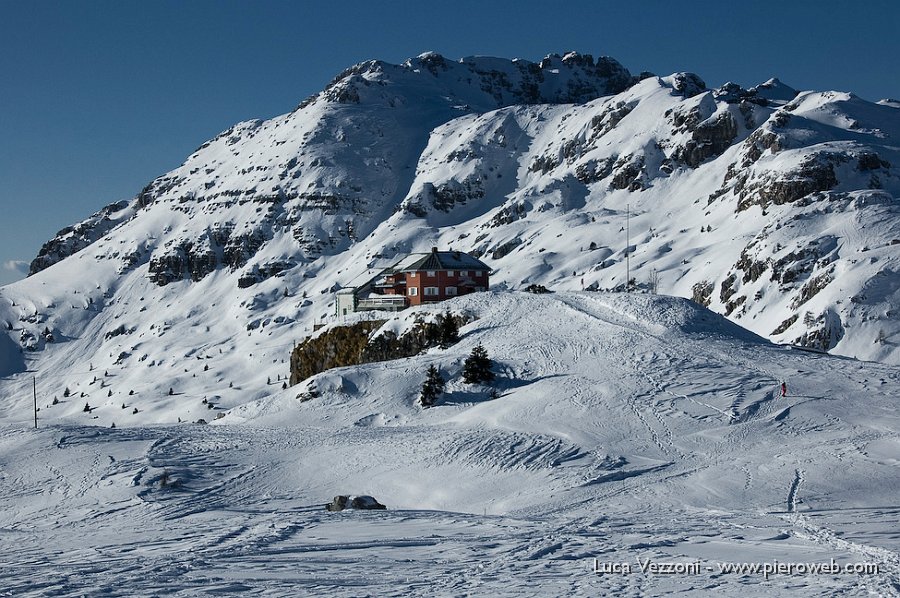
[(477, 367), (449, 331), (432, 388)]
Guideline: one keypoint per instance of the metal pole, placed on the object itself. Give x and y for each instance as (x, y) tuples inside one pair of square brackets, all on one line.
[(628, 248), (34, 387)]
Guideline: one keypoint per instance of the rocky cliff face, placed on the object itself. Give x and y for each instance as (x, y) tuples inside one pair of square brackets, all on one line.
[(73, 239), (775, 207)]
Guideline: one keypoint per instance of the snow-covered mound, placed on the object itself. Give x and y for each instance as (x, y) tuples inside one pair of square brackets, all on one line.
[(639, 379), (624, 428)]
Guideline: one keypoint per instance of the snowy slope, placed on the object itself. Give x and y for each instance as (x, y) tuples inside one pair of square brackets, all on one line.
[(627, 427)]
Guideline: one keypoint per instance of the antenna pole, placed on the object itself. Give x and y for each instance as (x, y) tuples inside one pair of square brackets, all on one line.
[(628, 248)]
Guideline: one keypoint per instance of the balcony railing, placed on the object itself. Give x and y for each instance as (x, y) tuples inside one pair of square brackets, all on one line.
[(387, 302)]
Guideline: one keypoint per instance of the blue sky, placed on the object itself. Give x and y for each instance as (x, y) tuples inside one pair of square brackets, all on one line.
[(97, 98)]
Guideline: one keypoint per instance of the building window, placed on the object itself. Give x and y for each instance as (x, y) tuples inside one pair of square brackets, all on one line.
[(430, 273), (412, 274), (464, 273), (450, 291), (479, 273), (450, 273), (431, 291), (412, 291)]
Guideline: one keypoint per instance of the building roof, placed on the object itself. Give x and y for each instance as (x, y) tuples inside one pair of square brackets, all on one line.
[(416, 262), (440, 260)]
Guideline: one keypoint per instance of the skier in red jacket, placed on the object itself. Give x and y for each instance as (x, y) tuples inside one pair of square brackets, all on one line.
[(783, 389)]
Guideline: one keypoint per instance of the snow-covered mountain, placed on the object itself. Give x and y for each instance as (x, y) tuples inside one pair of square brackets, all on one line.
[(622, 427), (773, 207)]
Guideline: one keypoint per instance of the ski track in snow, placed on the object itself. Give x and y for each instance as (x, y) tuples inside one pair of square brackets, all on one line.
[(794, 491)]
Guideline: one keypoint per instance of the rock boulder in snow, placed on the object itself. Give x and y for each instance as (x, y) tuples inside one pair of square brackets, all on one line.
[(364, 502)]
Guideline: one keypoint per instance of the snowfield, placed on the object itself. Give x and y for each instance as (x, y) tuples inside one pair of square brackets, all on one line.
[(626, 435), (629, 429)]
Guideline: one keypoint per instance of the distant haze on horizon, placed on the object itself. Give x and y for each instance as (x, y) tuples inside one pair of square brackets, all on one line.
[(100, 98)]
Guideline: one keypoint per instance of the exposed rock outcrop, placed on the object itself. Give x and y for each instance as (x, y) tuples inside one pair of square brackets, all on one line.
[(815, 173), (193, 260), (708, 139), (688, 84), (352, 345)]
